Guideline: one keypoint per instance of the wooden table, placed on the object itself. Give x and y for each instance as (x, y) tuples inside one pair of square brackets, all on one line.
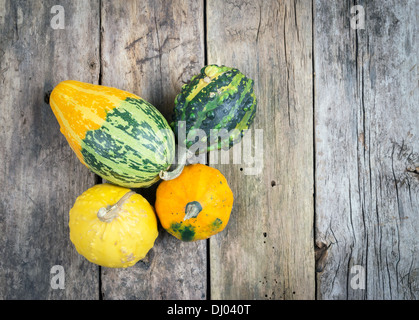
[(334, 212)]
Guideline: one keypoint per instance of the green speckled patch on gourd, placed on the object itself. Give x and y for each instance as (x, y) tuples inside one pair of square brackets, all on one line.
[(186, 232), (183, 231), (217, 224)]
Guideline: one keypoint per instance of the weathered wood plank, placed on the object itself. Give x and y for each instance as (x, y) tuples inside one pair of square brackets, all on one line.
[(151, 48), (366, 126), (40, 177), (266, 251)]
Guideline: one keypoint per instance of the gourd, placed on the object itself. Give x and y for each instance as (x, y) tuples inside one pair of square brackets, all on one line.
[(195, 205), (116, 134), (112, 226), (217, 98)]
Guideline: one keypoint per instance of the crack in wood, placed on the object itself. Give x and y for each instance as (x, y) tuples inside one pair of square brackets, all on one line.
[(321, 252)]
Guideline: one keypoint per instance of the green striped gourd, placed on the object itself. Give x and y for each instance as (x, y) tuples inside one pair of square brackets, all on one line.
[(217, 98), (116, 134)]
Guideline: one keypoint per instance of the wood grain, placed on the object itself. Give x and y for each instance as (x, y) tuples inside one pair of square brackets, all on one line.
[(266, 250), (349, 137), (366, 130), (151, 49), (40, 176)]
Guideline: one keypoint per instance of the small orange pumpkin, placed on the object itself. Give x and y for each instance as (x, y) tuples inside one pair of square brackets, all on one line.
[(195, 205)]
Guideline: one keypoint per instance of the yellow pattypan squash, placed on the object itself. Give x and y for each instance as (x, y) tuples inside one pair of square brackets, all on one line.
[(112, 226)]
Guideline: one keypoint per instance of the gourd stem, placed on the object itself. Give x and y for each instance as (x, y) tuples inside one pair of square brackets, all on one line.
[(185, 155), (192, 210), (111, 212)]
